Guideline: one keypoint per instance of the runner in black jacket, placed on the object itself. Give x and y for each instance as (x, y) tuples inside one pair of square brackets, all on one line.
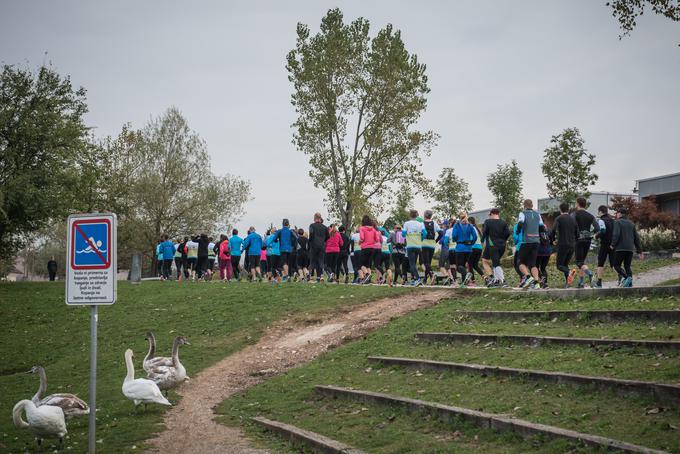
[(587, 228), (563, 234), (605, 253), (318, 235), (625, 240)]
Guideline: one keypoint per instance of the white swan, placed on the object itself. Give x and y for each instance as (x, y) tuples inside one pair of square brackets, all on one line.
[(140, 390), (45, 421), (150, 360), (71, 404), (168, 377)]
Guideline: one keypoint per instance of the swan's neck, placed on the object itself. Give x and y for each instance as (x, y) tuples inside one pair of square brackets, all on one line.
[(175, 353), (130, 369), (152, 348), (19, 422), (43, 385)]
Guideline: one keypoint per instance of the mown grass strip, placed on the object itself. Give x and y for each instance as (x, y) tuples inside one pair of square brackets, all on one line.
[(307, 439), (544, 340), (586, 293), (593, 315), (660, 391), (484, 419)]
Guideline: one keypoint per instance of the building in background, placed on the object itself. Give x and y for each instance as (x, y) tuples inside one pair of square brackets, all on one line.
[(549, 207), (480, 215), (666, 190)]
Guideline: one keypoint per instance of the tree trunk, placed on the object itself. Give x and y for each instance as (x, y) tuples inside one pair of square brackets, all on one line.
[(347, 216)]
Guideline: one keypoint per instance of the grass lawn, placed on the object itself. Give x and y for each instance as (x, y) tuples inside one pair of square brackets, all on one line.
[(671, 282), (522, 301), (383, 429), (36, 327)]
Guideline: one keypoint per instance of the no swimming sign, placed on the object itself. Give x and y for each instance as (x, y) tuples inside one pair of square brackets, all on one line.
[(91, 274)]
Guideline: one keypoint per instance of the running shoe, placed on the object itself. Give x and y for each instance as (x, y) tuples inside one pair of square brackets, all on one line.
[(572, 275), (446, 281), (628, 282), (467, 279), (528, 282), (367, 279), (417, 282)]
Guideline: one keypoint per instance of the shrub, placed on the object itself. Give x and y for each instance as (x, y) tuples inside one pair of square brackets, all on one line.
[(658, 238)]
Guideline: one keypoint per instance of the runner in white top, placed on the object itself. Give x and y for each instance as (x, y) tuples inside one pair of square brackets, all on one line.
[(413, 231)]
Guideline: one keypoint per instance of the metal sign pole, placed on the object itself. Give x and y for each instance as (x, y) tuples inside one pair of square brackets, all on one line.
[(93, 379)]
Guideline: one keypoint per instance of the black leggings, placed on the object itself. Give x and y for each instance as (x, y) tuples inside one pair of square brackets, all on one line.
[(625, 258), (179, 264), (515, 262), (342, 265), (332, 262), (427, 253), (400, 266), (316, 261), (452, 263), (564, 254), (355, 258), (475, 255), (541, 264), (461, 259)]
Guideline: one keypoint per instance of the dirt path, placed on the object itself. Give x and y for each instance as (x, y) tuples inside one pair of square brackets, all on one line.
[(651, 277), (189, 425)]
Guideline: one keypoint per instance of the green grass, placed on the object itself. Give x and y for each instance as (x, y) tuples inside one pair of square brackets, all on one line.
[(36, 327), (518, 301), (671, 282), (382, 429)]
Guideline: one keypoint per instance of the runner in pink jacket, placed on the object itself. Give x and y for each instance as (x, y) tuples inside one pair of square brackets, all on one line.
[(332, 252)]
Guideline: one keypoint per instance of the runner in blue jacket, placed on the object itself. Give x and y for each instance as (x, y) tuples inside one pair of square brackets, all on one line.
[(287, 238), (253, 245)]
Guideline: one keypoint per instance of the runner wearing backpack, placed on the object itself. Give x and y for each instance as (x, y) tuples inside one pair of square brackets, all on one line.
[(587, 228)]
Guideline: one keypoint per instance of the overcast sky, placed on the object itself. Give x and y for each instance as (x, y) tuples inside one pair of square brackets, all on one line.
[(504, 75)]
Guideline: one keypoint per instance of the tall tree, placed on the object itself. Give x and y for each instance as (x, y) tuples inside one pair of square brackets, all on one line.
[(628, 11), (451, 194), (506, 187), (357, 101), (567, 166), (175, 191), (403, 201), (42, 139)]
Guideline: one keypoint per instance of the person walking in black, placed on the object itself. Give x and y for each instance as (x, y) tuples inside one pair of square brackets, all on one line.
[(202, 261), (344, 254), (52, 268), (588, 227), (564, 234), (318, 235), (605, 236), (625, 241)]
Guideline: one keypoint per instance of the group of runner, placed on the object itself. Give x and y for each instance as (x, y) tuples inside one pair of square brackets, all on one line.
[(397, 255)]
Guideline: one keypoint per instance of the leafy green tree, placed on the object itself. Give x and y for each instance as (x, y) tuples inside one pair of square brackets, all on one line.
[(175, 192), (627, 11), (567, 167), (42, 140), (357, 100), (506, 187), (403, 201), (451, 194)]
